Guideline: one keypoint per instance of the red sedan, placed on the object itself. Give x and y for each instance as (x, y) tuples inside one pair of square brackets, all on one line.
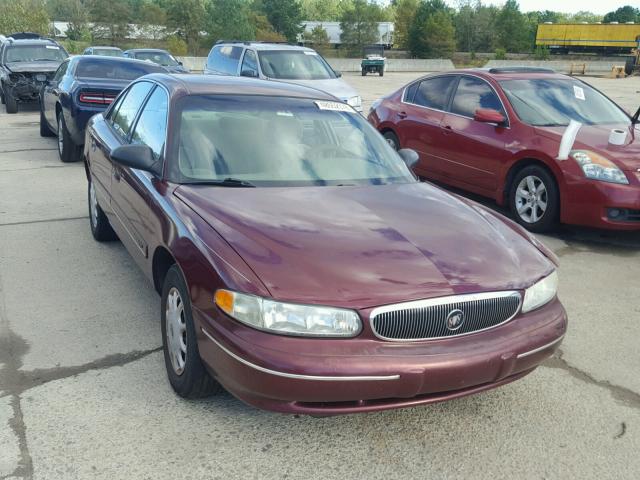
[(549, 146), (300, 263)]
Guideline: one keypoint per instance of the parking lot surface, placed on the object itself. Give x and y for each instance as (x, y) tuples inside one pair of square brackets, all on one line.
[(83, 392)]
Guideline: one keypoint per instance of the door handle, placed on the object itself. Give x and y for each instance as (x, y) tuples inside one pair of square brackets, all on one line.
[(402, 114), (446, 129)]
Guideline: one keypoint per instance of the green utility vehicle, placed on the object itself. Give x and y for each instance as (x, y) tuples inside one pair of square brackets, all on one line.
[(373, 61)]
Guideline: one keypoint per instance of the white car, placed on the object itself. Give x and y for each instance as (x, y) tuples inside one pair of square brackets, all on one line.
[(280, 62)]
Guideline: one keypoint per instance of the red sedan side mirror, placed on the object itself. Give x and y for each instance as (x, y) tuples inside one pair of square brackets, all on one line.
[(489, 115)]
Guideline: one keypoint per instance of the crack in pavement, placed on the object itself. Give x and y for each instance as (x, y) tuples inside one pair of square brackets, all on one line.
[(37, 168), (16, 382), (16, 423), (29, 150), (622, 394), (46, 220)]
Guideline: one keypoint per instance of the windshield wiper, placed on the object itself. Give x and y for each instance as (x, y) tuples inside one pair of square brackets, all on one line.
[(227, 182), (635, 117)]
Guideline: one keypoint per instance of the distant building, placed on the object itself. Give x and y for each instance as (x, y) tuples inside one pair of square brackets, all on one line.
[(385, 32)]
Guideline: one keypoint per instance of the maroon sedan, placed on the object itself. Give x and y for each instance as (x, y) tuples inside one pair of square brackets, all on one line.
[(549, 146), (301, 264)]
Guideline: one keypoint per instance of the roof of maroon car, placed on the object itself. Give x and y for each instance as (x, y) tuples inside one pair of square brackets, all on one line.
[(514, 74), (229, 85)]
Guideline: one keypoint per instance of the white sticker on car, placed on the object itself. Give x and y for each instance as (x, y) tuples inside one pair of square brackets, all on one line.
[(335, 106), (309, 53), (578, 92), (52, 47)]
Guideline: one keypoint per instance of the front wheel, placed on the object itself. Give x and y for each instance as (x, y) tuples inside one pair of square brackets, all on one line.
[(392, 140), (67, 150), (10, 103), (534, 199), (364, 72), (45, 131), (186, 372), (100, 226)]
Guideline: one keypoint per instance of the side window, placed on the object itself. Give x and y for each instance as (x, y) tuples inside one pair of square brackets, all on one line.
[(125, 112), (410, 92), (472, 94), (434, 92), (249, 64), (224, 59), (62, 69), (151, 128)]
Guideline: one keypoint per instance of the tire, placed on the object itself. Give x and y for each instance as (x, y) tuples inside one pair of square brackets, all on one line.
[(98, 221), (187, 374), (10, 103), (2, 97), (45, 131), (381, 73), (364, 72), (534, 199), (392, 140), (67, 150)]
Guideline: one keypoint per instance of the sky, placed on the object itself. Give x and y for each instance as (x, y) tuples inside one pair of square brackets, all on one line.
[(566, 6)]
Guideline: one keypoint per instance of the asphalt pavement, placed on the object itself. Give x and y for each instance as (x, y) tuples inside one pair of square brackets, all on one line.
[(83, 392)]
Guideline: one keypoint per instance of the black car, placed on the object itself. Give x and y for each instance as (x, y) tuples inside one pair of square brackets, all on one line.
[(27, 61), (157, 56), (81, 87)]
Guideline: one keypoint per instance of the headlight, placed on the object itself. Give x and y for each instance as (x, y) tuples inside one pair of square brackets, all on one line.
[(288, 318), (355, 102), (597, 167), (540, 293)]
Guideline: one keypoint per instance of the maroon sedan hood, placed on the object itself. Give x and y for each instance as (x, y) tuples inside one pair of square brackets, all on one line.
[(367, 246), (596, 139)]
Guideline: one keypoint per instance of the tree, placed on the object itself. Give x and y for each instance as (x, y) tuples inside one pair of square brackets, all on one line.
[(320, 10), (512, 28), (264, 30), (187, 18), (405, 11), (318, 38), (285, 16), (623, 14), (359, 26), (111, 23), (23, 16), (419, 34), (229, 19), (78, 16), (154, 19), (439, 35)]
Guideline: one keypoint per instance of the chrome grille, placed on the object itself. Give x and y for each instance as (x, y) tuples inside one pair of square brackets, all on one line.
[(427, 319)]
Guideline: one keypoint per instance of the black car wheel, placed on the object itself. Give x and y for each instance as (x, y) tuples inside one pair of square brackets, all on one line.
[(67, 150), (10, 103), (186, 372), (45, 131), (392, 140), (100, 226), (534, 199)]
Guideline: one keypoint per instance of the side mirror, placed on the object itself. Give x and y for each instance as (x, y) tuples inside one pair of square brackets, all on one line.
[(409, 156), (338, 74), (179, 62), (139, 157), (249, 73), (489, 115)]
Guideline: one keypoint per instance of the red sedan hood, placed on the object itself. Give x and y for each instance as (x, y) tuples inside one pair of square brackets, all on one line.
[(367, 246), (596, 139)]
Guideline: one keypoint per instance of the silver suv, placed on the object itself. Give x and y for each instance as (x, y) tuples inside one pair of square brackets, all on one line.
[(280, 62)]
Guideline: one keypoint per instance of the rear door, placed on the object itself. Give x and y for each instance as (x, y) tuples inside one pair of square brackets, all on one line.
[(132, 197), (419, 119), (473, 151)]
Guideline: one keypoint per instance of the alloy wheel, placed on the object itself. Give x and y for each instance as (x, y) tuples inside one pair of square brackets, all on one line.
[(60, 136), (531, 199), (176, 328), (93, 205)]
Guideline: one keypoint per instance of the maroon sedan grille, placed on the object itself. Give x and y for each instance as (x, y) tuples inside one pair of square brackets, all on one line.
[(444, 317)]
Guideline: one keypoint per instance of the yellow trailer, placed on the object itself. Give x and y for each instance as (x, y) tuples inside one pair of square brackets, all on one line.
[(594, 37)]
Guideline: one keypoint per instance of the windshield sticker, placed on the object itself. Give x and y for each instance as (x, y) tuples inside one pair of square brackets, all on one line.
[(309, 53), (335, 106), (284, 114), (578, 92), (52, 47)]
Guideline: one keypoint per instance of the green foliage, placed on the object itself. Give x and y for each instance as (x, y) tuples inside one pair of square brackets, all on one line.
[(512, 28), (359, 26), (75, 47), (541, 53), (264, 30), (285, 16), (176, 46), (623, 14), (111, 23), (23, 16), (500, 54), (318, 38), (321, 10), (405, 12), (432, 34), (229, 20)]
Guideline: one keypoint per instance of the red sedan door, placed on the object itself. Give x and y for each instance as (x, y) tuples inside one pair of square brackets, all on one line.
[(474, 151), (419, 118)]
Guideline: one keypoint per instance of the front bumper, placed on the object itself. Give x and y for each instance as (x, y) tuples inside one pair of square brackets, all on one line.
[(328, 377), (24, 90), (589, 203)]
